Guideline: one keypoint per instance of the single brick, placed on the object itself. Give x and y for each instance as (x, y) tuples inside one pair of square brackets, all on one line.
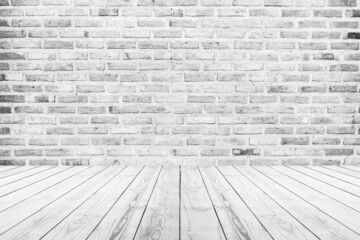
[(353, 35), (342, 3), (12, 56), (295, 141), (246, 152), (12, 34)]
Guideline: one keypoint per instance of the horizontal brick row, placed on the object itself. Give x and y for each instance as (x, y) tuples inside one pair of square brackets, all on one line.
[(163, 3)]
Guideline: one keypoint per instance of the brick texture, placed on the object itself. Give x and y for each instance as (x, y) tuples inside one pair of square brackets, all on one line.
[(182, 81)]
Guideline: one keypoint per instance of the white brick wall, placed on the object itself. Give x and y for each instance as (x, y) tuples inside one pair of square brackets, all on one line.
[(184, 81)]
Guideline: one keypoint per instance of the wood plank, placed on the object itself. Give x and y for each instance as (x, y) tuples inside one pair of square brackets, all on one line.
[(10, 200), (80, 223), (7, 168), (88, 194), (14, 171), (161, 218), (122, 220), (23, 175), (315, 220), (279, 223), (344, 186), (236, 218), (30, 206), (347, 216), (353, 168), (337, 175), (15, 186), (342, 197), (344, 171), (198, 217)]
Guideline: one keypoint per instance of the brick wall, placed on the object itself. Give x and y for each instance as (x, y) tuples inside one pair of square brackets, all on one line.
[(186, 81)]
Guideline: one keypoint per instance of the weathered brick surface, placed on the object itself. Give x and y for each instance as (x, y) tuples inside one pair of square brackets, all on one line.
[(187, 81)]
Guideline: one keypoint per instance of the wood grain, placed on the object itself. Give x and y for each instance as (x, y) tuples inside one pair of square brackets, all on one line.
[(352, 168), (342, 197), (26, 182), (10, 200), (343, 186), (226, 202), (318, 222), (13, 171), (279, 223), (333, 208), (161, 218), (7, 168), (344, 171), (23, 175), (198, 218), (30, 206), (338, 175), (123, 219), (237, 220), (80, 223), (34, 226)]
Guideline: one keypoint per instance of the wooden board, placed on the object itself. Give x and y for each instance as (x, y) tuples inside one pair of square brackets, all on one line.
[(237, 220), (23, 175), (338, 176), (352, 168), (279, 223), (333, 208), (122, 220), (161, 218), (7, 168), (341, 185), (80, 223), (16, 197), (26, 208), (344, 171), (26, 182), (342, 197), (38, 225), (13, 171), (312, 218), (198, 217)]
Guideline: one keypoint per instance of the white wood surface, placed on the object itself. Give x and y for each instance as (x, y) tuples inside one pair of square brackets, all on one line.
[(322, 225), (172, 202), (347, 216)]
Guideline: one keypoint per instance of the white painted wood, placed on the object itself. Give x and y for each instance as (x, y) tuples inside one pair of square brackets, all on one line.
[(198, 218), (279, 223), (347, 216), (315, 220), (123, 219), (236, 218)]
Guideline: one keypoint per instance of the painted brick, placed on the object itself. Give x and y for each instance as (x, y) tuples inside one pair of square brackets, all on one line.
[(275, 81)]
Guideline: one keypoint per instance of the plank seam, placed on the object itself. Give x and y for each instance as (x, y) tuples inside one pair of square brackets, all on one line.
[(333, 177), (84, 201), (212, 203), (147, 203), (277, 202), (341, 172), (115, 202), (316, 190), (245, 203), (28, 176), (305, 200), (18, 172), (53, 200), (43, 190), (36, 182), (323, 182)]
